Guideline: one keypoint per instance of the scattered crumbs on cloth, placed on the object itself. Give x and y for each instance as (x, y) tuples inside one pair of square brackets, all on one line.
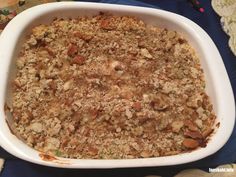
[(1, 164), (227, 10)]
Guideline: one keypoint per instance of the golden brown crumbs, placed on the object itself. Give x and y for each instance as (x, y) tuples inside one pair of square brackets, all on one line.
[(109, 87)]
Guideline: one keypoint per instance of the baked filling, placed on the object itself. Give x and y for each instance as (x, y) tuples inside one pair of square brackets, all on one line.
[(109, 87)]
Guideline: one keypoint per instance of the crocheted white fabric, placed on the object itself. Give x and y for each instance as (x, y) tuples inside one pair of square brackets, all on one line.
[(227, 10), (1, 164), (196, 172), (230, 171)]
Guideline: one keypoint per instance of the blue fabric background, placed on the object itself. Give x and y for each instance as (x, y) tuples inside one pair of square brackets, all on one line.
[(210, 22)]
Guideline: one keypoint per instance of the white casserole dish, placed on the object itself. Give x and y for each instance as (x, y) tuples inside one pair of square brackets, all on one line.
[(217, 81)]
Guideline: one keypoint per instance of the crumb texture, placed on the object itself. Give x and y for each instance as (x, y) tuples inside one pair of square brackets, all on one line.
[(109, 87)]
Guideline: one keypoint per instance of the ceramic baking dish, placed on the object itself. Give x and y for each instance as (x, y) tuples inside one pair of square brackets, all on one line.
[(217, 82)]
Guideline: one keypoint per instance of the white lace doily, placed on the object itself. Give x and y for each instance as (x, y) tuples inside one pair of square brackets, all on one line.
[(1, 164), (227, 10)]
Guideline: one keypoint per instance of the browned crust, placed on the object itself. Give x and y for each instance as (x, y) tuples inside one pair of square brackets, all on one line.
[(110, 87)]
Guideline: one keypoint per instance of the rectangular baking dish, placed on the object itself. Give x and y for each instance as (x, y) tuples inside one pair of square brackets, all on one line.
[(217, 82)]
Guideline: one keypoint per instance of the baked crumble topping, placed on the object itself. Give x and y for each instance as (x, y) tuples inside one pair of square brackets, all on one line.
[(109, 87)]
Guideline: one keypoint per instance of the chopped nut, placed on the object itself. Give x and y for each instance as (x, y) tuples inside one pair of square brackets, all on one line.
[(199, 123), (39, 31), (137, 106), (90, 88), (146, 98), (71, 128), (190, 143), (145, 154), (193, 134), (84, 36), (67, 85), (204, 117), (20, 63), (177, 125), (193, 101), (94, 113), (72, 50), (128, 113), (138, 131), (78, 103), (105, 117), (32, 41), (93, 151), (200, 111), (145, 53), (118, 130), (78, 59), (17, 83), (163, 123), (191, 126), (171, 34), (50, 51), (159, 103), (207, 132), (135, 146), (52, 144), (106, 24), (117, 66)]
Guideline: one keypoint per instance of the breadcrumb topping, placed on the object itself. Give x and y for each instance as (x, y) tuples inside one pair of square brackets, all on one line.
[(110, 87)]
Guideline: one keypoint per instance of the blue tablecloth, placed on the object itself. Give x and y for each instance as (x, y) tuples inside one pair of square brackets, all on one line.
[(210, 22)]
